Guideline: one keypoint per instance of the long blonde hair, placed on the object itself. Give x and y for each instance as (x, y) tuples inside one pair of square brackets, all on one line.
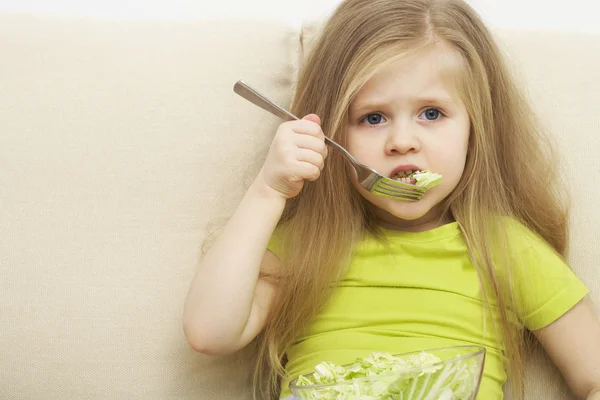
[(509, 168)]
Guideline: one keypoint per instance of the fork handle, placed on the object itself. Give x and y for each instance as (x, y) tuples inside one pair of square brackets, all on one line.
[(250, 94), (253, 96)]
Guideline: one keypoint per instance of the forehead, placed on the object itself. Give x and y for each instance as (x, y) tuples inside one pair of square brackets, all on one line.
[(432, 73)]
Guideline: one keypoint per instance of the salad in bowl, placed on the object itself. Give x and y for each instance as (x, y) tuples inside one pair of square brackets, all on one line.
[(447, 373)]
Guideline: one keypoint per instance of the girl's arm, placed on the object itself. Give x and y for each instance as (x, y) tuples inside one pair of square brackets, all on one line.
[(227, 304), (573, 344)]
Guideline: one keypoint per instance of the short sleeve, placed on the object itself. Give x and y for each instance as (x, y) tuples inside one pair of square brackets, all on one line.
[(546, 287)]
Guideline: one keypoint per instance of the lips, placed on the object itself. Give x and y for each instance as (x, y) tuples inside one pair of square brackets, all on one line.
[(404, 170), (404, 173)]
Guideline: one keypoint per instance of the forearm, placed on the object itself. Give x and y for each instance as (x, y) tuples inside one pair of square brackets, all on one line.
[(221, 294)]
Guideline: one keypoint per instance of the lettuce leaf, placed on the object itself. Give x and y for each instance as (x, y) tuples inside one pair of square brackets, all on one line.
[(427, 179), (382, 376)]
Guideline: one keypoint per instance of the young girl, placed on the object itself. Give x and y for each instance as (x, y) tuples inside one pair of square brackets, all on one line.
[(318, 269)]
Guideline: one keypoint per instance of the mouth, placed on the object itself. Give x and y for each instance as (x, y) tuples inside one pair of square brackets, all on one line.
[(405, 174)]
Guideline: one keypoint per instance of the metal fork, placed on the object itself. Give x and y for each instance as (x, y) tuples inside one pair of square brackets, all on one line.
[(367, 177)]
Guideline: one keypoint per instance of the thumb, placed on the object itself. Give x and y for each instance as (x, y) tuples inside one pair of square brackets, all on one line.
[(313, 118)]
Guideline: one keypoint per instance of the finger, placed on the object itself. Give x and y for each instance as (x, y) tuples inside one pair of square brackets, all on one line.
[(308, 171), (306, 127), (312, 143), (312, 117), (311, 157)]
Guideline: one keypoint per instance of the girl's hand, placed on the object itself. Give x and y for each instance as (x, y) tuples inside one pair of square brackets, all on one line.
[(297, 154)]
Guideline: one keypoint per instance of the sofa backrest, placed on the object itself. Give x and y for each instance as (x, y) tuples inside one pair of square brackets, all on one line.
[(120, 142)]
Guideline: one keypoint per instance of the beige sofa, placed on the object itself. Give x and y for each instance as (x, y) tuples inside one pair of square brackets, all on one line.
[(120, 142)]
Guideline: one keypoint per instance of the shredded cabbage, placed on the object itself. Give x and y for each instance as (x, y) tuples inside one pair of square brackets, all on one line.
[(380, 377), (427, 179)]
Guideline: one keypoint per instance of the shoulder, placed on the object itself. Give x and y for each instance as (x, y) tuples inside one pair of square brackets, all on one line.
[(544, 285), (527, 256), (532, 258), (522, 239)]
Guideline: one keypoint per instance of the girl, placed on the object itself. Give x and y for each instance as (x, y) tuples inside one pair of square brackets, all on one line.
[(318, 269)]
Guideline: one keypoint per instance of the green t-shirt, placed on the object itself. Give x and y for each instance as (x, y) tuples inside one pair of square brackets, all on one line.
[(423, 292)]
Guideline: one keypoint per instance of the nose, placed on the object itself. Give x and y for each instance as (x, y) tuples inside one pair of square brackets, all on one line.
[(402, 139)]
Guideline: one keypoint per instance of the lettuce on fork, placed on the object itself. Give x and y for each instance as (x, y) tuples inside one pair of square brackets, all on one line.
[(382, 376), (427, 179)]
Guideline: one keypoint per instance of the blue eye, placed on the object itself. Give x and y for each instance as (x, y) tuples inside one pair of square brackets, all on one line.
[(373, 119), (431, 114)]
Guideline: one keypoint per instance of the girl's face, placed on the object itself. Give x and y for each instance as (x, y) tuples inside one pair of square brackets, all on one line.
[(409, 114)]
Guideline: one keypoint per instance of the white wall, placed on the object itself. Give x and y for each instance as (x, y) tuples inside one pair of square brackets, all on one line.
[(571, 15)]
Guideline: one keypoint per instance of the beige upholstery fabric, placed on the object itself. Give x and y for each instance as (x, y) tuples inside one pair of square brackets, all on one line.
[(121, 141)]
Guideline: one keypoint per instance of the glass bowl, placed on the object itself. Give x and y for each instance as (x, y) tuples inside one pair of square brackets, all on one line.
[(455, 375)]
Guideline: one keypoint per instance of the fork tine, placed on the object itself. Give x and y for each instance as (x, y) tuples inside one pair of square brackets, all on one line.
[(395, 185), (398, 196), (401, 191), (398, 193)]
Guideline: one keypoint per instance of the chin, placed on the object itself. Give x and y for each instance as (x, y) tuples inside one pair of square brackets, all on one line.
[(405, 210)]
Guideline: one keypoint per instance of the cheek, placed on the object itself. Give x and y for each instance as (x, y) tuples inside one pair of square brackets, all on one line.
[(450, 153), (449, 161), (451, 164), (363, 148)]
